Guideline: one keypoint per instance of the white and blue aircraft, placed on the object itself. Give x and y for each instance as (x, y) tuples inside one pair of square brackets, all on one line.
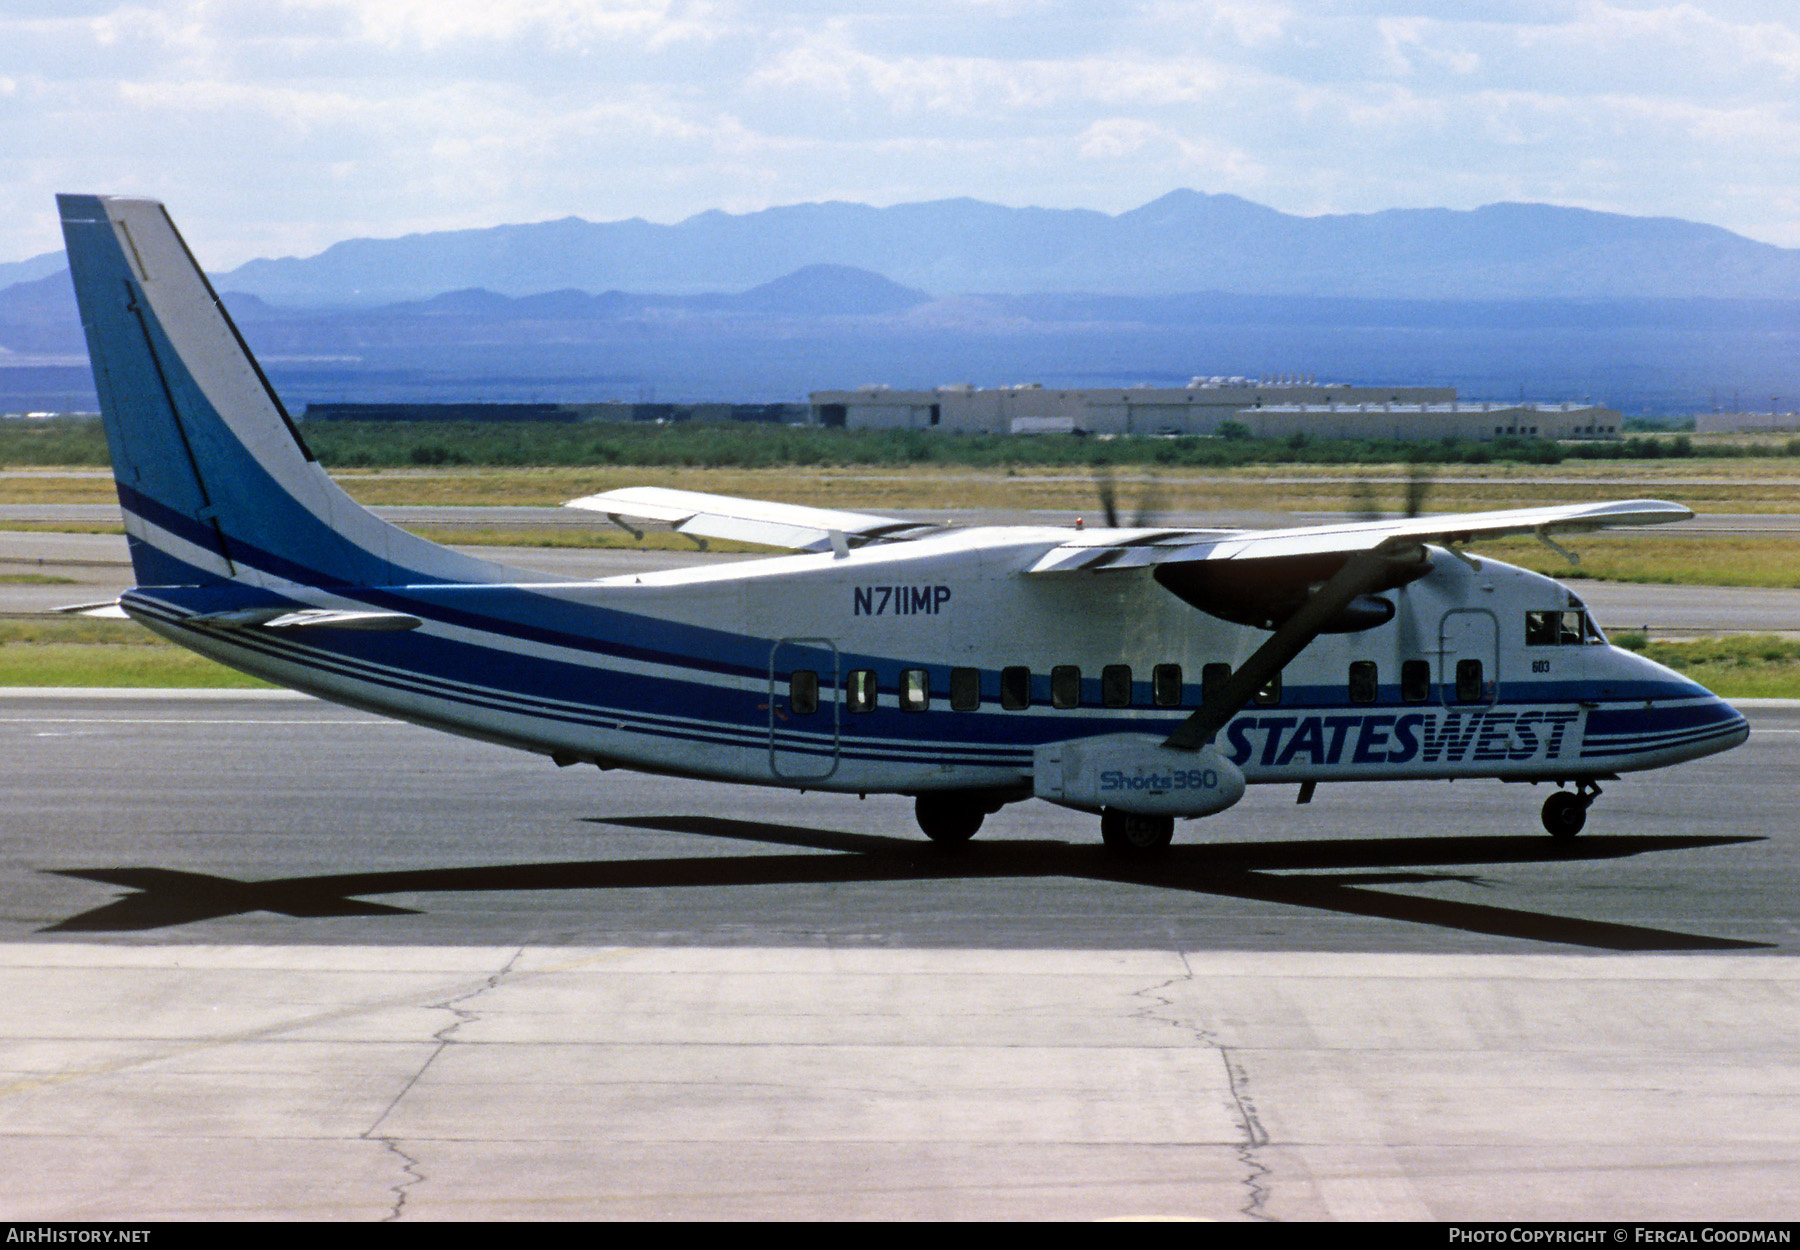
[(1142, 674)]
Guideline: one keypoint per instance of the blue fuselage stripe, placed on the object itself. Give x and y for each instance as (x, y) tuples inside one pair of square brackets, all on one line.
[(684, 701)]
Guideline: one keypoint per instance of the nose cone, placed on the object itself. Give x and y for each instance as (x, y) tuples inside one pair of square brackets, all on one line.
[(1726, 726), (1730, 716), (1678, 718)]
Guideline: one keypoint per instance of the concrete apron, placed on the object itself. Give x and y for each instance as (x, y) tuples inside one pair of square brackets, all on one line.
[(370, 1083)]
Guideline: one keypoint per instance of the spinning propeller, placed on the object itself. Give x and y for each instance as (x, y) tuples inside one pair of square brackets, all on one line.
[(1343, 601), (1149, 504), (1419, 484)]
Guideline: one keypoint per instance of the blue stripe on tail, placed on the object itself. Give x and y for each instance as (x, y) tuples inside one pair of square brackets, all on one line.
[(214, 479), (151, 454)]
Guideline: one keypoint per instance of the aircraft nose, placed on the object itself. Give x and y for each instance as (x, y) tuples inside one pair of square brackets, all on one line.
[(1718, 722), (1731, 715)]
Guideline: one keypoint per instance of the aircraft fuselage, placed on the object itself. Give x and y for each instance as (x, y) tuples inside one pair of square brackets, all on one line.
[(940, 664)]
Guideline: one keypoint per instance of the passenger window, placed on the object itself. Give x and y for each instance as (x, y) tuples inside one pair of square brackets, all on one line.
[(915, 689), (1212, 676), (803, 692), (1115, 685), (1271, 692), (1364, 681), (1015, 688), (1165, 685), (1065, 686), (1468, 681), (1415, 680), (965, 689), (859, 690)]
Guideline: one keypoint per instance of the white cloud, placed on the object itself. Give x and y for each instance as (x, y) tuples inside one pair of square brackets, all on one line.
[(283, 125), (1117, 137)]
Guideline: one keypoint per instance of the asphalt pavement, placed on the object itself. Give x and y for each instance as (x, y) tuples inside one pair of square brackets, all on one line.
[(266, 958)]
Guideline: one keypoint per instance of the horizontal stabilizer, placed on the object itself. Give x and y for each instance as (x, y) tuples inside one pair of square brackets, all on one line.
[(305, 618), (793, 526), (106, 610)]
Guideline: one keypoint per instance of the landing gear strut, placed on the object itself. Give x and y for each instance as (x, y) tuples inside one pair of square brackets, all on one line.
[(1565, 812), (1126, 833)]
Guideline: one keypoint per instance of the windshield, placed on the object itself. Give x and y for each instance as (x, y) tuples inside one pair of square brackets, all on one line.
[(1568, 627)]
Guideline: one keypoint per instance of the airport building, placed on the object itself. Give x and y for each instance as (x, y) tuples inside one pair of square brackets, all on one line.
[(1271, 408), (778, 414), (1771, 422), (1469, 421)]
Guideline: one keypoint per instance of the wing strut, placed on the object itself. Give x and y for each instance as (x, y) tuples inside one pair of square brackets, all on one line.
[(1360, 574)]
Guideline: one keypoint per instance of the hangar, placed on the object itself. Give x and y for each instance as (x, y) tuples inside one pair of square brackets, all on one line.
[(1269, 407)]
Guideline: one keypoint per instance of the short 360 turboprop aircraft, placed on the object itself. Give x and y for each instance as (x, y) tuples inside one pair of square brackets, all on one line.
[(1142, 674)]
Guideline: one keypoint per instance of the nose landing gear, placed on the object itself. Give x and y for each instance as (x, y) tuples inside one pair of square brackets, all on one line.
[(1565, 812)]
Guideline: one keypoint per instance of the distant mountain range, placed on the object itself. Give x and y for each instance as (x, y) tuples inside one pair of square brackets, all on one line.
[(812, 291), (1183, 242), (1507, 301), (15, 271)]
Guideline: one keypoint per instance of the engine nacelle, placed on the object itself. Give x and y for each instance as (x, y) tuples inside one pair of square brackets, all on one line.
[(1135, 773)]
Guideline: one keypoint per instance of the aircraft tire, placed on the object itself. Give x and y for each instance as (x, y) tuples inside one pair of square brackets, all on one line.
[(1564, 814), (1126, 833), (948, 819)]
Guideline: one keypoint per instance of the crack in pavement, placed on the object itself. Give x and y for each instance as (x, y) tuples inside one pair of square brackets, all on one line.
[(445, 1037), (1256, 1173)]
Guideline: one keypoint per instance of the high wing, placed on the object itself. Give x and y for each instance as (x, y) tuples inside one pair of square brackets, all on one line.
[(751, 520), (1117, 549), (1310, 580)]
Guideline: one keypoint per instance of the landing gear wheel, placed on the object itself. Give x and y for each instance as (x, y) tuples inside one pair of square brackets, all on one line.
[(1564, 814), (1126, 833), (948, 819)]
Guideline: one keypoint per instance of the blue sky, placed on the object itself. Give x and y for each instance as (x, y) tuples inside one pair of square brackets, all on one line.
[(277, 127)]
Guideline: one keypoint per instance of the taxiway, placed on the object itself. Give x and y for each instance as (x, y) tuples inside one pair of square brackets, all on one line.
[(270, 958)]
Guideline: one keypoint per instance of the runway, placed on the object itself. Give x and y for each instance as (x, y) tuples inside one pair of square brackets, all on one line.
[(271, 958)]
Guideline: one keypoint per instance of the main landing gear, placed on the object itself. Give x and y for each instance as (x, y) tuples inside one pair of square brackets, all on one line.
[(951, 817), (1126, 833), (1565, 812)]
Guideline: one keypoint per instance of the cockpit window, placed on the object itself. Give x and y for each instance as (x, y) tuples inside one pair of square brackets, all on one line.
[(1571, 627)]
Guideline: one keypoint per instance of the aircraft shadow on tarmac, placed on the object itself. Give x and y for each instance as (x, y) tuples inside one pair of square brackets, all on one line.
[(1334, 876)]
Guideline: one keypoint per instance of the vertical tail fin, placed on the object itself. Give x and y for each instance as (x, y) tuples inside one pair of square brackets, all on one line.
[(215, 481)]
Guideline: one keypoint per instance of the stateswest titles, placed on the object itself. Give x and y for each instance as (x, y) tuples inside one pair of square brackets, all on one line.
[(1367, 739)]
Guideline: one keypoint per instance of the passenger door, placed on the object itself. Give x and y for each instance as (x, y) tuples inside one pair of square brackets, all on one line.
[(804, 731)]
